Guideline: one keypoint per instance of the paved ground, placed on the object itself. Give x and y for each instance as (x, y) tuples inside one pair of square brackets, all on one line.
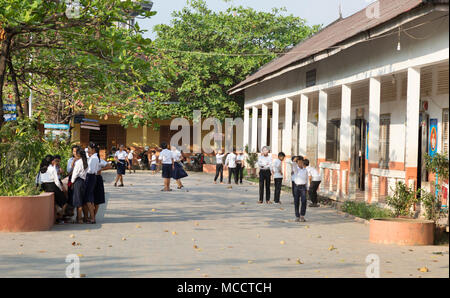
[(210, 231)]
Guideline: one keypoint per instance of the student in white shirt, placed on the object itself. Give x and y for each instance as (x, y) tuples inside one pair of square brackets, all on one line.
[(265, 166), (91, 182), (166, 158), (277, 173), (121, 158), (240, 165), (301, 186), (130, 159), (219, 166), (178, 172), (314, 181), (78, 182), (153, 165), (49, 181), (230, 162), (99, 191)]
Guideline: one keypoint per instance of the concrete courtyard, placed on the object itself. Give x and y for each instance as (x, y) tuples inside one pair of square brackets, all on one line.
[(209, 231)]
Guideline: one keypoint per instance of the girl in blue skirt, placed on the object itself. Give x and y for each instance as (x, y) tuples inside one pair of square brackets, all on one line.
[(78, 183), (121, 158), (178, 171), (99, 190), (91, 181)]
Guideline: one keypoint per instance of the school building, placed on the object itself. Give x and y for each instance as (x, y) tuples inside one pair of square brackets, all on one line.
[(364, 99)]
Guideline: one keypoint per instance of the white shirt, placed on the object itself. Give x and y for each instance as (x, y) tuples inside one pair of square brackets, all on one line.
[(101, 165), (265, 162), (300, 176), (93, 164), (166, 156), (49, 177), (78, 171), (231, 160), (130, 155), (240, 158), (87, 152), (219, 159), (121, 155), (276, 168), (176, 155), (154, 159), (312, 172)]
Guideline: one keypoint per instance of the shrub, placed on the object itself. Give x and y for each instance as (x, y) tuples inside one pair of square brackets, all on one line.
[(432, 205), (366, 211), (403, 199)]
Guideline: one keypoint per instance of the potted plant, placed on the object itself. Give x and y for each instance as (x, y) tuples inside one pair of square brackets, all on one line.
[(402, 229), (252, 159)]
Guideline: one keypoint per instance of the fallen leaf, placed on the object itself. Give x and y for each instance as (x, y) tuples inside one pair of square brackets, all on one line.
[(138, 226), (110, 245), (319, 236), (331, 248), (174, 233), (80, 255), (82, 275), (205, 275), (74, 243), (299, 262), (306, 227), (250, 262), (72, 236), (195, 247), (166, 231), (42, 251), (423, 269), (197, 224), (98, 247), (282, 242), (123, 238), (153, 210)]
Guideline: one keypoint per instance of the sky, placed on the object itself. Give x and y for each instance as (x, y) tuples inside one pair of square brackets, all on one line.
[(313, 11)]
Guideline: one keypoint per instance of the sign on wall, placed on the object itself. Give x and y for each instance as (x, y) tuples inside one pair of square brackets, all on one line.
[(433, 137), (8, 108), (367, 141)]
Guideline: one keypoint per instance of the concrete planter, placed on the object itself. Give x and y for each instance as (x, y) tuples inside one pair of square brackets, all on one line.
[(27, 214), (402, 231)]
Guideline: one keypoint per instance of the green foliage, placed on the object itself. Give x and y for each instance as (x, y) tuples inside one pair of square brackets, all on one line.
[(438, 164), (432, 205), (202, 54), (83, 64), (403, 199), (252, 158), (366, 211), (20, 152)]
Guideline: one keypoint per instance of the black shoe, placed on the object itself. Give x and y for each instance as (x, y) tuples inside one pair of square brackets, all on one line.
[(121, 185)]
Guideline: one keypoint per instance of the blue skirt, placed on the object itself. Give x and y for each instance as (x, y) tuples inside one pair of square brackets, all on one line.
[(91, 180), (78, 193), (99, 191), (121, 167), (179, 172), (153, 167), (167, 171)]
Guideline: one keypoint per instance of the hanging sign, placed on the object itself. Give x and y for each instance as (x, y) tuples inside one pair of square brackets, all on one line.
[(433, 137)]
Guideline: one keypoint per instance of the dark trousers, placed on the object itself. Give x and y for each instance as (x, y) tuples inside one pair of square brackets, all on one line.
[(300, 194), (313, 191), (232, 172), (278, 182), (240, 172), (219, 171), (264, 180)]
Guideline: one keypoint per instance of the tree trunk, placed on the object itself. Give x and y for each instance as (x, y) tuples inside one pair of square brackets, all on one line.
[(16, 89), (4, 54)]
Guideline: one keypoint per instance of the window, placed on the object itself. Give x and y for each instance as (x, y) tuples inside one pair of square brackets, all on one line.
[(385, 122), (445, 131), (311, 78), (333, 136)]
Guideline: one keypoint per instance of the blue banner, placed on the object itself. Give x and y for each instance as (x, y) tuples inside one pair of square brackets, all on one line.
[(367, 141), (57, 126), (10, 117), (9, 107), (433, 137)]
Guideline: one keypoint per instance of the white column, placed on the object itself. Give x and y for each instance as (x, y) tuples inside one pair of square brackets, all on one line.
[(412, 117), (254, 129), (303, 138), (346, 130), (374, 119), (246, 127), (287, 137), (275, 120), (322, 125), (265, 112)]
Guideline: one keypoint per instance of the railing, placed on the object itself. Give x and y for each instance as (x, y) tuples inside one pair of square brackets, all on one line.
[(384, 181), (330, 179)]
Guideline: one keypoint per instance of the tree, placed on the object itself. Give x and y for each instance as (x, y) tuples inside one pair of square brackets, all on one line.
[(83, 60), (203, 53)]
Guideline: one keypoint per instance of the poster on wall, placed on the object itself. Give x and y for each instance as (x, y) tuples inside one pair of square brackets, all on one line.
[(367, 141), (433, 141)]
